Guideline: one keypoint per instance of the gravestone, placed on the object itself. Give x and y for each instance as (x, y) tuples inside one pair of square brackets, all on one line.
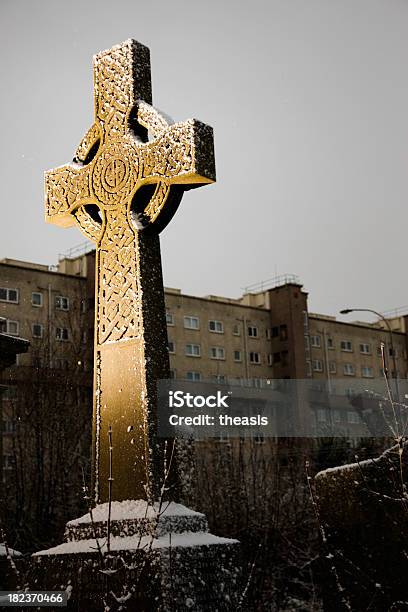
[(127, 179)]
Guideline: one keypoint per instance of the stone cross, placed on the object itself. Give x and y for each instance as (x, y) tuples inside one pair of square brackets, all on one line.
[(123, 187)]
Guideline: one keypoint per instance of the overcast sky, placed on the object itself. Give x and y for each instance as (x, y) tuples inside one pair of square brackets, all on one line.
[(309, 102)]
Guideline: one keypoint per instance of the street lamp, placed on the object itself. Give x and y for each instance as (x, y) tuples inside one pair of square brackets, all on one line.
[(387, 324)]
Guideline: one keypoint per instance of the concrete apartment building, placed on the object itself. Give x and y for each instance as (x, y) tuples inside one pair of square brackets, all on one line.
[(262, 335), (353, 350), (270, 334), (49, 307), (266, 334)]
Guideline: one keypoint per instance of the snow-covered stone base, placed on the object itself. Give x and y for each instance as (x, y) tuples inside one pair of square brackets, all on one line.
[(159, 558), (9, 559)]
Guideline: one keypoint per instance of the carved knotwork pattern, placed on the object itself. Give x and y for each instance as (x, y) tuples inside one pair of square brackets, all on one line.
[(88, 226), (113, 87), (63, 186), (151, 118), (157, 202), (90, 138), (119, 299), (171, 154), (121, 164), (115, 173)]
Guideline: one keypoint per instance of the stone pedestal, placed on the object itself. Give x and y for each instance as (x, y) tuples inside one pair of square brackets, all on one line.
[(157, 559)]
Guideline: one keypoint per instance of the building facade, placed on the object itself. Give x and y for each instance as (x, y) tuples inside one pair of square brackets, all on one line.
[(262, 335), (266, 334)]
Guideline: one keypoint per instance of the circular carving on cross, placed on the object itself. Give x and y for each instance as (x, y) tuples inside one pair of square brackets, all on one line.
[(115, 173)]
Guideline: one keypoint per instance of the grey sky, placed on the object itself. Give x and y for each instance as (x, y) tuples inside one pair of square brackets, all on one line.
[(309, 102)]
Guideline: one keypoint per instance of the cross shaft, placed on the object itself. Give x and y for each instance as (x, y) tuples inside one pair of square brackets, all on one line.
[(121, 190)]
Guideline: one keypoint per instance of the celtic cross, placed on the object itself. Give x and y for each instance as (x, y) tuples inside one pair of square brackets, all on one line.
[(123, 187)]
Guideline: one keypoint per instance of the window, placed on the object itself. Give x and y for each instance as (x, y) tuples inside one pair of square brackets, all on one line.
[(8, 462), (252, 331), (275, 332), (216, 326), (37, 330), (330, 343), (284, 356), (276, 358), (352, 417), (223, 437), (315, 341), (195, 376), (36, 361), (9, 427), (236, 330), (317, 387), (61, 333), (268, 333), (270, 359), (171, 346), (257, 382), (307, 343), (346, 345), (392, 352), (317, 365), (12, 327), (61, 364), (332, 367), (9, 393), (308, 368), (237, 356), (220, 378), (259, 439), (365, 348), (217, 352), (336, 416), (169, 318), (305, 320), (193, 350), (348, 369), (172, 374), (191, 322), (367, 372), (321, 415), (36, 299), (61, 302), (254, 357), (8, 295), (283, 332)]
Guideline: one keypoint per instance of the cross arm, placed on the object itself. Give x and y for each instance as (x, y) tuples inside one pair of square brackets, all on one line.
[(66, 188), (183, 154)]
